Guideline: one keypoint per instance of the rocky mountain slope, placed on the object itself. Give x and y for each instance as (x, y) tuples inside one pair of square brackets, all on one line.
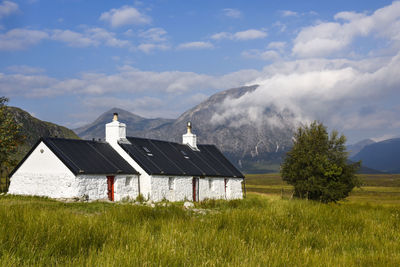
[(252, 147), (136, 125), (33, 129)]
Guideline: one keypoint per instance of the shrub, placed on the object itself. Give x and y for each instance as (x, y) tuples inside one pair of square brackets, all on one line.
[(317, 165)]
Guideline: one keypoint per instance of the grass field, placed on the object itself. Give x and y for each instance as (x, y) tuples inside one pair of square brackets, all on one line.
[(375, 190), (264, 229)]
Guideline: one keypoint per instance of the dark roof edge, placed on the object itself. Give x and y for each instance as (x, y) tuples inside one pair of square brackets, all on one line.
[(229, 162)]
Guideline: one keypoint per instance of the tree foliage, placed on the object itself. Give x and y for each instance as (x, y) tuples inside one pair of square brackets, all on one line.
[(10, 137), (317, 165)]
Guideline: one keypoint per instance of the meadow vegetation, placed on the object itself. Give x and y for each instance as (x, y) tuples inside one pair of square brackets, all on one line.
[(264, 229)]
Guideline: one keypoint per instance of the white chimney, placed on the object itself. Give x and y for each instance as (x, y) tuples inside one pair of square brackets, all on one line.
[(115, 130), (189, 138)]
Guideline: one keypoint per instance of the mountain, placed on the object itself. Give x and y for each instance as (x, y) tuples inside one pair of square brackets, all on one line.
[(33, 128), (253, 147), (383, 156), (136, 125), (355, 148)]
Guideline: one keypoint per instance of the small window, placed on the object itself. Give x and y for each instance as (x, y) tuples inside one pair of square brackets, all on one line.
[(128, 180), (184, 154), (171, 183), (210, 184), (148, 152)]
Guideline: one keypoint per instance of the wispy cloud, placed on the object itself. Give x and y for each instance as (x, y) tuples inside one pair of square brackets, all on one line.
[(149, 47), (19, 39), (154, 35), (125, 15), (289, 13), (232, 13), (250, 34), (24, 69), (7, 8), (195, 45), (168, 82), (268, 55), (90, 37)]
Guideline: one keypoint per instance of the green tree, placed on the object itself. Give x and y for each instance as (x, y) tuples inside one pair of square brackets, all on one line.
[(10, 138), (317, 165)]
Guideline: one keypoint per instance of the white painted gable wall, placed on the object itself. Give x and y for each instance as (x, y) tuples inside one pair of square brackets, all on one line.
[(43, 174)]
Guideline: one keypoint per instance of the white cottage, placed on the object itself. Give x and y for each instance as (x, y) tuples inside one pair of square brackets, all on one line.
[(124, 167)]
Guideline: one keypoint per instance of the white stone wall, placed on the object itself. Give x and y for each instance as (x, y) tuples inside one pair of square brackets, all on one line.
[(95, 187), (234, 188), (216, 191), (126, 189), (43, 174), (181, 189)]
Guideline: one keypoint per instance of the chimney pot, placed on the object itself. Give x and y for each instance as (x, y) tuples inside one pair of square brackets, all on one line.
[(115, 118), (190, 138)]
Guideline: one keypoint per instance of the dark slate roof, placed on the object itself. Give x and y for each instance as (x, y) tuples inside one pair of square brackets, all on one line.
[(85, 157), (168, 158)]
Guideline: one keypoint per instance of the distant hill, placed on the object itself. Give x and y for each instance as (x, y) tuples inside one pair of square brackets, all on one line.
[(253, 148), (355, 148), (383, 156), (136, 125), (34, 128)]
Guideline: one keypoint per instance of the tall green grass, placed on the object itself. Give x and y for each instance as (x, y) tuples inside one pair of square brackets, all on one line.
[(256, 231)]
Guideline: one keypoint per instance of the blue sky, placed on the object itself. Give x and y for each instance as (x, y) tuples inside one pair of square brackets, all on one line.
[(335, 61)]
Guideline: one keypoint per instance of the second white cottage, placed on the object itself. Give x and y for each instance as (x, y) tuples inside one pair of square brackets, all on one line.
[(158, 170), (177, 172)]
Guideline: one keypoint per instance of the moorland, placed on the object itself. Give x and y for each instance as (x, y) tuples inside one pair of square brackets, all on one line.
[(267, 228)]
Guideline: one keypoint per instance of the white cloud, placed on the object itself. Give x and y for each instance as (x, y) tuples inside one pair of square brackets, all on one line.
[(385, 137), (268, 55), (90, 37), (289, 13), (7, 8), (328, 90), (232, 13), (221, 35), (250, 34), (73, 38), (154, 35), (327, 38), (277, 45), (196, 45), (168, 82), (149, 47), (24, 69), (19, 39), (125, 15)]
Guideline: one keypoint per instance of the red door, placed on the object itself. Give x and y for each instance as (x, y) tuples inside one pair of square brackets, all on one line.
[(110, 187), (195, 184)]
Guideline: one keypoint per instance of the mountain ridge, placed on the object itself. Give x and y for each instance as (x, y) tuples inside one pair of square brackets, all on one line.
[(245, 145)]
